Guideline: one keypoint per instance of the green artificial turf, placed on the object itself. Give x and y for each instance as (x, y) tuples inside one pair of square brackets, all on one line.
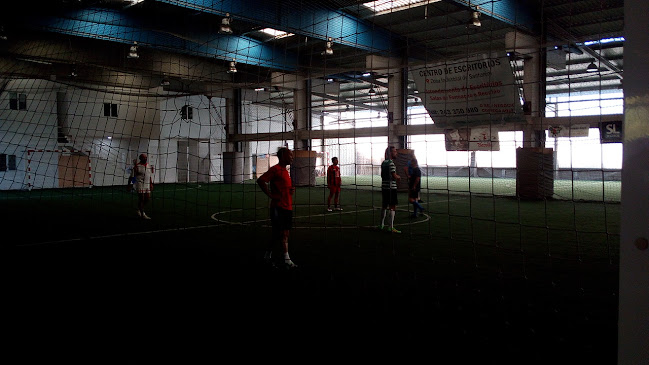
[(520, 280)]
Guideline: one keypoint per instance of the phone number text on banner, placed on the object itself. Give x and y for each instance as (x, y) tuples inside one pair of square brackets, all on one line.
[(477, 90)]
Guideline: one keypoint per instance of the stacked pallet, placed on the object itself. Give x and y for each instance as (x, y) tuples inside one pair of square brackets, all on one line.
[(534, 173), (401, 162), (303, 168)]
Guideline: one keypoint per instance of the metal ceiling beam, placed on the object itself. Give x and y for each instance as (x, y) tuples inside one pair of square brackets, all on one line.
[(606, 63), (346, 101), (558, 31), (513, 12), (312, 20), (111, 25)]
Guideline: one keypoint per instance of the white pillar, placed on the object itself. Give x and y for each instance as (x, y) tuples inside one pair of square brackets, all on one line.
[(302, 114), (396, 98), (633, 317)]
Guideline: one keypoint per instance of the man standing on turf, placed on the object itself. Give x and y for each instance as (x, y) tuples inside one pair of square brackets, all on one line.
[(389, 180), (141, 180), (277, 184), (408, 171), (414, 186), (333, 183)]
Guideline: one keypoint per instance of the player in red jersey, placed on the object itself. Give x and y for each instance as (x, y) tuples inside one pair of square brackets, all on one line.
[(277, 184), (334, 183)]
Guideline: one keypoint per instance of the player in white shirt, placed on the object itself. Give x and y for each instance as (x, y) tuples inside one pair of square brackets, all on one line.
[(143, 176)]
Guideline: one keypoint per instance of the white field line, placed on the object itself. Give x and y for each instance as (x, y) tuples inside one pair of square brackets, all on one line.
[(116, 235), (214, 217), (76, 194)]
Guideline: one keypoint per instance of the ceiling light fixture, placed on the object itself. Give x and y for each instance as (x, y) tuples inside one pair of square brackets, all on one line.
[(225, 25), (328, 50), (132, 53), (371, 91), (164, 82), (233, 67), (3, 35), (73, 72), (276, 34), (475, 19), (592, 67)]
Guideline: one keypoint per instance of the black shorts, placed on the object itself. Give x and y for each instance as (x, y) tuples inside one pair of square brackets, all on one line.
[(413, 194), (389, 197), (281, 219)]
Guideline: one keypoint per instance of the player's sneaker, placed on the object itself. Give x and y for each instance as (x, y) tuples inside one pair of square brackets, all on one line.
[(139, 214), (145, 216), (381, 227), (339, 208), (329, 210), (393, 230), (290, 264)]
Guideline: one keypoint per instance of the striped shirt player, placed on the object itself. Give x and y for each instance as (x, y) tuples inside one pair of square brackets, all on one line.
[(389, 178), (334, 182)]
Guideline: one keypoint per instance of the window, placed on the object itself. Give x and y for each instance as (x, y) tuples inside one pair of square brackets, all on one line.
[(12, 162), (7, 162), (277, 34), (110, 110), (186, 112), (386, 6), (17, 101)]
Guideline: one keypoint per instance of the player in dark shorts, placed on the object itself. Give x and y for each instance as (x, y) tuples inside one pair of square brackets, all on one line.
[(389, 180), (277, 184), (414, 186), (333, 183)]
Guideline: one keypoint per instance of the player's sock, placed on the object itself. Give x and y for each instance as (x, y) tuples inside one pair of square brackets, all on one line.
[(417, 206), (288, 262), (392, 218), (414, 209), (268, 255), (383, 214)]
